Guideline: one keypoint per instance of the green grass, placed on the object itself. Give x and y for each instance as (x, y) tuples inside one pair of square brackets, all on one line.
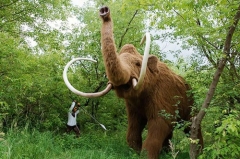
[(25, 144), (44, 145)]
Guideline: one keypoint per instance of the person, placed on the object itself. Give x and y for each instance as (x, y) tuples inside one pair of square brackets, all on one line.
[(72, 118)]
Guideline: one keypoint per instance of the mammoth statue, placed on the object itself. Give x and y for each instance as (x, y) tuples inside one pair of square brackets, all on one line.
[(155, 96)]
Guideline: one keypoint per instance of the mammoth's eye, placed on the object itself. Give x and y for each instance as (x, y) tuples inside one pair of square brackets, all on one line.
[(138, 64)]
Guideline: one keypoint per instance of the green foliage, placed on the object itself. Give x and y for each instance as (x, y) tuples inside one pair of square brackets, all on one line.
[(225, 139)]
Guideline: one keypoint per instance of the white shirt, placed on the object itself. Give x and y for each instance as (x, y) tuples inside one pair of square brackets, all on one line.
[(72, 120)]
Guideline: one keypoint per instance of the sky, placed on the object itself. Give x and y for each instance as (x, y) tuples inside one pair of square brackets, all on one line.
[(78, 2)]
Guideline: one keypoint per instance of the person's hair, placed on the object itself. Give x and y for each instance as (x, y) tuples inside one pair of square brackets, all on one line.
[(75, 107)]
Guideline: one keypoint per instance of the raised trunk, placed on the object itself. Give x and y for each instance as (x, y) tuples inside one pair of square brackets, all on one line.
[(117, 72)]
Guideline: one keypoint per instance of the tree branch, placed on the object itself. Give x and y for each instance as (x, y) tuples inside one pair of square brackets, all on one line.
[(210, 59), (199, 24), (233, 71), (127, 28), (6, 5)]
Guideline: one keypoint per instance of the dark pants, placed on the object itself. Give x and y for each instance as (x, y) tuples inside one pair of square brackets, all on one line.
[(75, 129)]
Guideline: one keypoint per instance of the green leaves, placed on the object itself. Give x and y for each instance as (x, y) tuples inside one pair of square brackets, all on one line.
[(226, 137)]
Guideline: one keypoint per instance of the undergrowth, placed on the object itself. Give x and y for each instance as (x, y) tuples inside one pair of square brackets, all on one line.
[(26, 144)]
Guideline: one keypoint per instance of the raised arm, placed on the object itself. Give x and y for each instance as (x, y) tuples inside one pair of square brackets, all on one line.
[(72, 105)]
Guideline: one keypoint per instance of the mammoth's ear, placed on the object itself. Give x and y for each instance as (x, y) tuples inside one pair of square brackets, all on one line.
[(152, 64)]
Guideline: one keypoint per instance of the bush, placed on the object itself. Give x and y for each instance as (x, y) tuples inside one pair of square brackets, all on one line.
[(225, 139)]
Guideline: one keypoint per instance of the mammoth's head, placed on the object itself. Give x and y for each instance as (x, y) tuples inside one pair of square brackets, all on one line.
[(141, 72)]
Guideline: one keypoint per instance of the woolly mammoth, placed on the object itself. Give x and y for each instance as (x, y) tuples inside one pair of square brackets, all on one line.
[(155, 96)]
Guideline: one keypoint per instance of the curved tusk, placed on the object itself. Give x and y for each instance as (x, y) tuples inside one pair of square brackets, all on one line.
[(145, 60), (88, 95), (134, 82)]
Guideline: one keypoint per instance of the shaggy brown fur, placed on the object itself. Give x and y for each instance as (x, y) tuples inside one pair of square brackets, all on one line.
[(162, 94)]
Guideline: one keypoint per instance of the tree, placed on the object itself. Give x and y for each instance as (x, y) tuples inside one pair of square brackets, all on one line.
[(25, 75), (226, 54)]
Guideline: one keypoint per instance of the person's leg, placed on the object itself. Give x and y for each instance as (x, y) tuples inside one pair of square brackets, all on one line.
[(77, 131), (69, 128)]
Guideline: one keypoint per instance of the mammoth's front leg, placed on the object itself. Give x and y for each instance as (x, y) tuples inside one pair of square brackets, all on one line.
[(158, 132), (136, 124)]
